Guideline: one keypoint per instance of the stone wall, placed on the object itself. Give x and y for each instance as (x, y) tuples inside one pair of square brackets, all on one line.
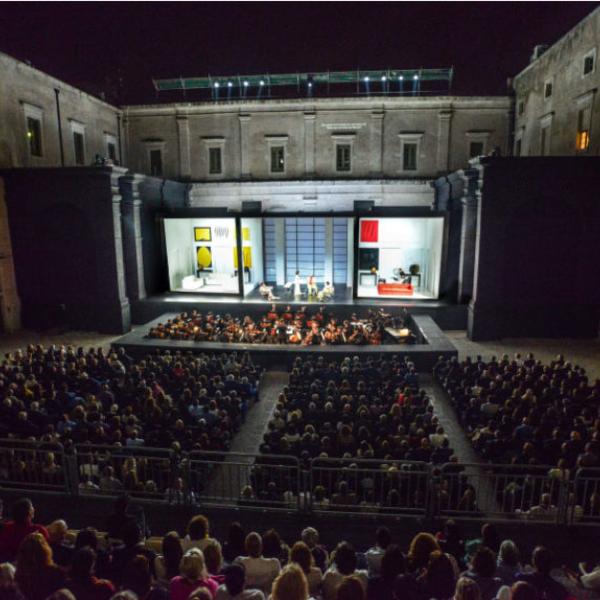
[(562, 67), (309, 130)]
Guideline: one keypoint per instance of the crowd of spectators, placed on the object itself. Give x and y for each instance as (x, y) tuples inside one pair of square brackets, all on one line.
[(336, 412), (540, 418), (281, 326), (37, 565), (70, 399)]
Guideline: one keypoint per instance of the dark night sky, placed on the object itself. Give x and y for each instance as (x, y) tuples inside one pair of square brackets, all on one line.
[(86, 43)]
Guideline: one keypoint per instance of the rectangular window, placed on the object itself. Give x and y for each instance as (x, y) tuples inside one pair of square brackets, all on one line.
[(343, 160), (521, 107), (409, 157), (547, 89), (588, 63), (156, 167), (215, 165), (277, 159), (583, 132), (34, 136), (112, 151), (475, 149), (79, 147)]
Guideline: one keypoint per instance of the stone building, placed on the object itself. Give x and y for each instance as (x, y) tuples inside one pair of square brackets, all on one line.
[(557, 111)]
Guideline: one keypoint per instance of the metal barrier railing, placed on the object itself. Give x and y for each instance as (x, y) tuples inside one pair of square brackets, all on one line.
[(462, 490), (367, 486), (33, 466), (244, 479)]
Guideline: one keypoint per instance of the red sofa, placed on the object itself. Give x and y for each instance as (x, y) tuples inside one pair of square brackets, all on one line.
[(395, 289)]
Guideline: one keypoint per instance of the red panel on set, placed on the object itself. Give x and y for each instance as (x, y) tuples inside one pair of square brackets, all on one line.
[(369, 231)]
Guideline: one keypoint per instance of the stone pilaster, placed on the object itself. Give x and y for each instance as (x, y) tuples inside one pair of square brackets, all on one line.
[(468, 237), (10, 303), (245, 150), (132, 236), (183, 140), (443, 145), (309, 143), (376, 143)]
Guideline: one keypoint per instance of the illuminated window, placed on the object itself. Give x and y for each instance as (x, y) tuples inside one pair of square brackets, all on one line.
[(343, 157), (277, 159), (215, 164), (34, 136), (583, 130)]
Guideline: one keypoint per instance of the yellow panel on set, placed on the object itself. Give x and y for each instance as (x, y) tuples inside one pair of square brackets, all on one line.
[(247, 256), (204, 257), (246, 234), (202, 234), (235, 258)]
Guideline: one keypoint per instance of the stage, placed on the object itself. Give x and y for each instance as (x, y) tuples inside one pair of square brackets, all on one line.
[(445, 314), (431, 343)]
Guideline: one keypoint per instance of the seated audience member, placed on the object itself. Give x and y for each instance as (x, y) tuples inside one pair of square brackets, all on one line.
[(508, 564), (545, 510), (65, 594), (310, 536), (13, 532), (37, 575), (450, 540), (343, 564), (351, 588), (301, 555), (82, 581), (392, 565), (234, 586), (290, 584), (133, 546), (260, 571), (482, 571), (138, 579), (438, 579), (520, 590), (466, 589), (375, 554), (197, 534), (590, 580), (193, 574), (419, 551), (7, 575), (61, 551), (274, 547), (543, 561), (489, 538), (166, 565), (122, 516), (213, 558), (234, 546)]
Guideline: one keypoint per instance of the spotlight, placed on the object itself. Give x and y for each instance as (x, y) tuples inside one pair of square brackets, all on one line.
[(401, 78), (415, 77), (310, 84), (229, 84), (245, 84), (383, 78), (367, 78), (262, 82), (216, 84)]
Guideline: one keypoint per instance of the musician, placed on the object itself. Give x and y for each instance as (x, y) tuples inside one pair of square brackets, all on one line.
[(311, 284)]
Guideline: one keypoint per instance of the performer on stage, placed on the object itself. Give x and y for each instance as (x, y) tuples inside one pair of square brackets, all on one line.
[(297, 284)]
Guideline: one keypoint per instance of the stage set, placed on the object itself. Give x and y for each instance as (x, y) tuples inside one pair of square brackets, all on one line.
[(305, 258)]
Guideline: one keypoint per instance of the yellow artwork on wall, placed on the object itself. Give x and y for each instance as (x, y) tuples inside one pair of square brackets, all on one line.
[(246, 234), (204, 257), (246, 257), (202, 234)]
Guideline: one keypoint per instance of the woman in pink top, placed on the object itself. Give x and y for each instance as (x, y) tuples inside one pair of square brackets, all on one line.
[(193, 575)]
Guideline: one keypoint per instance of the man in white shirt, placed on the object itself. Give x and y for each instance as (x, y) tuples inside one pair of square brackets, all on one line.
[(260, 571), (374, 554)]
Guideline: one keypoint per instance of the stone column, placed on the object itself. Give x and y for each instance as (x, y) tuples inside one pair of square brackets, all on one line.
[(245, 146), (309, 143), (10, 303), (328, 271), (183, 139), (443, 145), (132, 236), (280, 251), (111, 271), (468, 237), (376, 139)]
